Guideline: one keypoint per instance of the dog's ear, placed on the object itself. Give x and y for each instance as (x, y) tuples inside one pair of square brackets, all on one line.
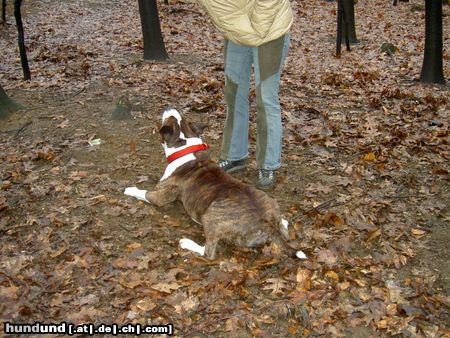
[(197, 127)]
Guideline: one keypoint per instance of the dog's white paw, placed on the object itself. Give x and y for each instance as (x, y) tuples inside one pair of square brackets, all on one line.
[(189, 244), (135, 192), (301, 255)]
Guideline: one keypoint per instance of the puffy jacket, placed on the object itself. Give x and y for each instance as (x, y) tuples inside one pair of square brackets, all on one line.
[(250, 22)]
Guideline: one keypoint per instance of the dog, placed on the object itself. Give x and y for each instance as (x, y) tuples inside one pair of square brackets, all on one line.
[(229, 210)]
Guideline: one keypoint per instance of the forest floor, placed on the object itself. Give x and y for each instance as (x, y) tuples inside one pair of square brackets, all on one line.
[(364, 181)]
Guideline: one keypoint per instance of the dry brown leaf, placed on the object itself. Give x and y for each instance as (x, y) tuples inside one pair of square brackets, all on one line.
[(332, 275), (303, 279), (231, 324), (277, 286), (327, 256), (131, 280), (133, 246), (188, 304), (369, 157), (166, 287), (418, 233), (143, 305), (344, 285), (373, 233)]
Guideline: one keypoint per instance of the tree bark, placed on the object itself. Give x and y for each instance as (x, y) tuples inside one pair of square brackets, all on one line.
[(21, 40), (342, 29), (154, 48), (3, 12), (7, 105), (432, 67), (349, 11)]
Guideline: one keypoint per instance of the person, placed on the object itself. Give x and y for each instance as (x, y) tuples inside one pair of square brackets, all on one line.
[(256, 33)]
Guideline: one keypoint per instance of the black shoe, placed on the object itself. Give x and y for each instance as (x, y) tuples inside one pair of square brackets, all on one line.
[(266, 179), (231, 166)]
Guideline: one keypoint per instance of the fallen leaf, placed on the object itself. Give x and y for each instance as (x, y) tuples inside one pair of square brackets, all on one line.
[(303, 278), (418, 233), (143, 305), (133, 246), (277, 286), (166, 287), (131, 280), (231, 324), (369, 157), (332, 275), (188, 304), (327, 256)]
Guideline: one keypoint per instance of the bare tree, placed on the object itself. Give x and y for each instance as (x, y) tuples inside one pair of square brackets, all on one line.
[(342, 28), (349, 10), (432, 67), (21, 40), (154, 48)]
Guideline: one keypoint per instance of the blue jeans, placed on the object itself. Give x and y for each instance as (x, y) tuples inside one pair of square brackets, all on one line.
[(267, 60)]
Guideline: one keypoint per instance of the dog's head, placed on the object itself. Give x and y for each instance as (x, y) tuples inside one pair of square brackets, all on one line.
[(176, 129)]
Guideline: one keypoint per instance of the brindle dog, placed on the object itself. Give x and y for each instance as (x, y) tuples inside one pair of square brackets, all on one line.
[(229, 210)]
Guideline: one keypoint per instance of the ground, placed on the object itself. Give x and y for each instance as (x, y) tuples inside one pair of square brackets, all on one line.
[(364, 180)]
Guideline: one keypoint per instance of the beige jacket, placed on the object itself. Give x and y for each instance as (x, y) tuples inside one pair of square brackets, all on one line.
[(250, 22)]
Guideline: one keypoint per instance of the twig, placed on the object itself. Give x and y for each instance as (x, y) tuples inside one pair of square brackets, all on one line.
[(21, 129), (125, 228), (75, 94), (325, 205), (17, 131)]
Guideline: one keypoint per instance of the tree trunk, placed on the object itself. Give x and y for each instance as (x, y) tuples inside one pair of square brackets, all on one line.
[(7, 105), (432, 67), (342, 29), (21, 40), (3, 12), (349, 10), (154, 48)]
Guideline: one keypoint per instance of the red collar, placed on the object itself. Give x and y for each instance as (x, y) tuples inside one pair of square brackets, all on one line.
[(187, 151)]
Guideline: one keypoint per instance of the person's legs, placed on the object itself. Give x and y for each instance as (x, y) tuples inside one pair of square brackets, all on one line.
[(238, 64), (268, 62)]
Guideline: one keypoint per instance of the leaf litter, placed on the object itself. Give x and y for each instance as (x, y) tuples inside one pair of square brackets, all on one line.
[(364, 180)]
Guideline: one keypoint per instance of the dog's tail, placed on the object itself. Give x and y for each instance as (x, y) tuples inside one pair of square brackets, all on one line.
[(280, 240)]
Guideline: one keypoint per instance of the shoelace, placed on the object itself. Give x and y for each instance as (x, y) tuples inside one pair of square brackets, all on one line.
[(261, 174), (223, 164)]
